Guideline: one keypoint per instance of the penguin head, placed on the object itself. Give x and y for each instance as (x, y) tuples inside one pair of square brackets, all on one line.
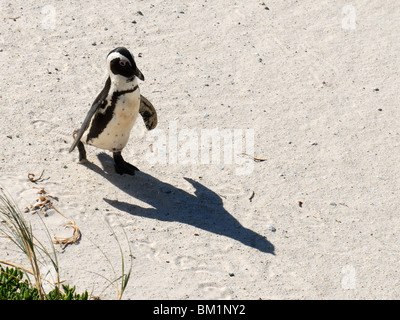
[(121, 63)]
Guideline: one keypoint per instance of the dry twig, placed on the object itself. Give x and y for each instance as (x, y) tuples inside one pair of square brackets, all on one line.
[(45, 203), (76, 235), (255, 159), (252, 196), (32, 179)]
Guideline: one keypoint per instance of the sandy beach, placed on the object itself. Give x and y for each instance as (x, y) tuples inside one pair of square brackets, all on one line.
[(273, 172)]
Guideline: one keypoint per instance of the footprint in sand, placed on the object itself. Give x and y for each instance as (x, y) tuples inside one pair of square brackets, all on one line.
[(212, 291), (190, 263), (143, 248), (186, 263)]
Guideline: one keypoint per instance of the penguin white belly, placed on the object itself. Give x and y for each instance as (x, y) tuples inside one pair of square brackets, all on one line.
[(116, 133)]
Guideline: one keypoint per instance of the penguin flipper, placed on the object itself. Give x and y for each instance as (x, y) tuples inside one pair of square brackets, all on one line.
[(148, 113), (84, 126), (98, 103)]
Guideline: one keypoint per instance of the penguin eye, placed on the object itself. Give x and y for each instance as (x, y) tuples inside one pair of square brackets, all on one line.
[(123, 63)]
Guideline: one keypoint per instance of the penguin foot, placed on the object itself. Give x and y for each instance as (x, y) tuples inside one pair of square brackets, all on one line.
[(82, 152), (121, 166), (81, 149)]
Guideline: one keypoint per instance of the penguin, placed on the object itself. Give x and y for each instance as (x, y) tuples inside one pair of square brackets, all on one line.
[(114, 111)]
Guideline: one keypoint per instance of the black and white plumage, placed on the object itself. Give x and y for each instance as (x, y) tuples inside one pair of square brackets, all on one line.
[(114, 111)]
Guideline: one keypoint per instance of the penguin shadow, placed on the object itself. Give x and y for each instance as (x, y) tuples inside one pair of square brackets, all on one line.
[(203, 210)]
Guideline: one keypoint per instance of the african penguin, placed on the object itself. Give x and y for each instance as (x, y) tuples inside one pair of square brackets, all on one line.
[(113, 113)]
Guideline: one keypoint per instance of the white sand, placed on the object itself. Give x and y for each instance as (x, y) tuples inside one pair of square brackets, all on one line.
[(303, 75)]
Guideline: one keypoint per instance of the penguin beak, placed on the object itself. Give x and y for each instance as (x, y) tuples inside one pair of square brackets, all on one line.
[(139, 74)]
